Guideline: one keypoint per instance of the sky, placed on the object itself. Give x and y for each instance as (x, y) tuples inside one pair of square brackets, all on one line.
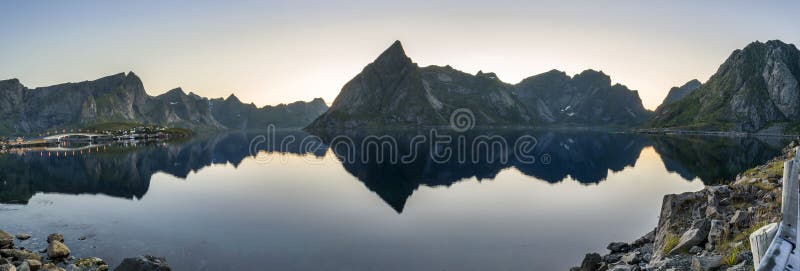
[(271, 52)]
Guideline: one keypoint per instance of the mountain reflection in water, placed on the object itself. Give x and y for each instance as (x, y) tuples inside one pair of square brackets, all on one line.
[(584, 156)]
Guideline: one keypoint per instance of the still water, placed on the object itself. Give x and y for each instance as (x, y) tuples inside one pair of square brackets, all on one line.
[(221, 202)]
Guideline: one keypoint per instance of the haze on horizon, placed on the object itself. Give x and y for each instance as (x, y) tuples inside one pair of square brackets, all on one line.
[(271, 52)]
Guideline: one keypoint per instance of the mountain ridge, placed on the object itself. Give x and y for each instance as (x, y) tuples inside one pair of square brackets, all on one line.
[(394, 92), (756, 89), (121, 97)]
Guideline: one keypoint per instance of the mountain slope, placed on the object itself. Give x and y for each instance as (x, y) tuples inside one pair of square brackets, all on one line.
[(122, 98), (756, 88), (394, 92), (677, 93)]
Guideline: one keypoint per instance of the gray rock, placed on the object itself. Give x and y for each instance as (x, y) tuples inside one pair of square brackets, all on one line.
[(695, 250), (705, 263), (743, 266), (695, 236), (624, 267), (618, 247), (23, 236), (6, 240), (612, 258), (24, 267), (8, 267), (51, 267), (150, 263), (57, 250), (89, 264), (647, 238), (713, 211), (20, 255), (740, 219), (744, 257), (590, 262), (55, 237), (631, 258), (34, 264)]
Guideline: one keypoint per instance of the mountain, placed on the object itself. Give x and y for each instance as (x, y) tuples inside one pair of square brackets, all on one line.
[(394, 92), (232, 113), (587, 98), (755, 89), (677, 93), (122, 98)]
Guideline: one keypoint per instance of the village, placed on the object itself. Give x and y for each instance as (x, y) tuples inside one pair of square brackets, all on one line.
[(63, 136)]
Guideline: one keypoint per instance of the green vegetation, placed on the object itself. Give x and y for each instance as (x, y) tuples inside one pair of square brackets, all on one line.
[(671, 241), (730, 259), (179, 132), (113, 126)]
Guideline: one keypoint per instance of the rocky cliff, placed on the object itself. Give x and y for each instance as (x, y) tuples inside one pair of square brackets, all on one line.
[(755, 89), (122, 98), (394, 92)]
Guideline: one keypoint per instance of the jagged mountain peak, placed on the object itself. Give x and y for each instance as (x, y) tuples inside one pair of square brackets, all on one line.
[(232, 99), (593, 76), (393, 58), (174, 91), (692, 83)]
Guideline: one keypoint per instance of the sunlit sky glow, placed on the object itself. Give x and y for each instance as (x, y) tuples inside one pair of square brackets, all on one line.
[(271, 52)]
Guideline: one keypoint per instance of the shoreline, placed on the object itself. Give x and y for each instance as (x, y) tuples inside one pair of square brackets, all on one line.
[(56, 257), (704, 230)]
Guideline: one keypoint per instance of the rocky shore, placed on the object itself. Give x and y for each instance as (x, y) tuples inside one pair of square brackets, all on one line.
[(704, 230), (56, 257)]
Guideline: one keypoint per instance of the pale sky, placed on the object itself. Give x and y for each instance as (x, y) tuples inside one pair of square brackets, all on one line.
[(271, 52)]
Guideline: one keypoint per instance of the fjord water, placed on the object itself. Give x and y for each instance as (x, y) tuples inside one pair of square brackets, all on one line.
[(211, 204)]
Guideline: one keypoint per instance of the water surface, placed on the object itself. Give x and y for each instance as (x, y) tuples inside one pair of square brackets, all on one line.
[(211, 204)]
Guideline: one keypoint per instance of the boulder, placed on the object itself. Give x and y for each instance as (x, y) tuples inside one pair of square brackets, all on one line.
[(20, 255), (612, 258), (6, 240), (52, 267), (695, 236), (615, 247), (631, 258), (57, 250), (707, 262), (590, 262), (151, 263), (624, 267), (743, 266), (7, 267), (55, 237), (647, 238), (713, 211), (740, 219), (24, 267), (89, 264), (34, 264)]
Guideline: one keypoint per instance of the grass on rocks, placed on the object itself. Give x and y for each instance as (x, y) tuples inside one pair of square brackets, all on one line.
[(671, 241)]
